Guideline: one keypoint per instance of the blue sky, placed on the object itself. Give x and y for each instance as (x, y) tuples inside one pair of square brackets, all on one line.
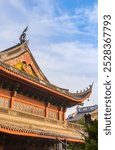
[(62, 37)]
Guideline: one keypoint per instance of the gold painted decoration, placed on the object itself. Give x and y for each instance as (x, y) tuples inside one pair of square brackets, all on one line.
[(26, 67)]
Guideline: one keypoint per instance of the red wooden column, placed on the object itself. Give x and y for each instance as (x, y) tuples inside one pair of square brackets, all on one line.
[(65, 121), (13, 94), (60, 109), (64, 111), (46, 109)]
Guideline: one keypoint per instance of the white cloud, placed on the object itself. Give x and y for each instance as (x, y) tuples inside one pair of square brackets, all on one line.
[(69, 66), (89, 13), (66, 60), (42, 18), (92, 14)]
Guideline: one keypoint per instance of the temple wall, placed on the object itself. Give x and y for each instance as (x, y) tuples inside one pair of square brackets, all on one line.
[(25, 104)]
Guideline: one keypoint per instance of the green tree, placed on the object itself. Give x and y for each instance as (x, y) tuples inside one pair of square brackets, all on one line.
[(74, 146), (91, 141)]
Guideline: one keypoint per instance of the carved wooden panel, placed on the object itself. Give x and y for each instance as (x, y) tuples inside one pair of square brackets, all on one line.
[(52, 114), (4, 102), (1, 101), (29, 108)]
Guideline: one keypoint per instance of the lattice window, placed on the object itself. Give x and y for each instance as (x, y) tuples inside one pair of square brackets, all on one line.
[(41, 111), (16, 105), (4, 102), (7, 103), (53, 115), (1, 102), (38, 111), (28, 108)]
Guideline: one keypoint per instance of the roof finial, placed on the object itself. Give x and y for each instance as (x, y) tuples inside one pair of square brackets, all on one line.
[(22, 37)]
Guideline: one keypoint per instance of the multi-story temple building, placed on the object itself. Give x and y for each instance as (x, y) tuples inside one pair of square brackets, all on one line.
[(32, 110)]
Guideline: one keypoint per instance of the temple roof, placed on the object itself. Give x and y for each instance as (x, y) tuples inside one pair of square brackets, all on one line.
[(81, 112), (20, 57), (18, 60)]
